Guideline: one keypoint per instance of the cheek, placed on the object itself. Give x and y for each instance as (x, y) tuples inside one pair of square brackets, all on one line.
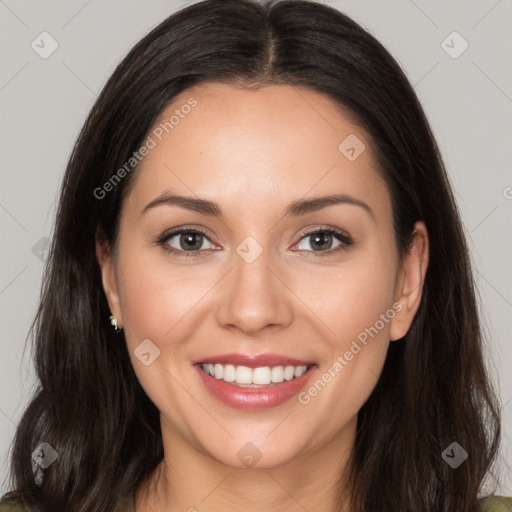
[(142, 294), (156, 296), (156, 302), (356, 304), (350, 297)]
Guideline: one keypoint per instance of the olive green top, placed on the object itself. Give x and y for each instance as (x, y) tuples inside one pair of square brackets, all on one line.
[(497, 504)]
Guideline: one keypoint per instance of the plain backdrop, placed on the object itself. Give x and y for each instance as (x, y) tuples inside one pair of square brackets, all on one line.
[(466, 93)]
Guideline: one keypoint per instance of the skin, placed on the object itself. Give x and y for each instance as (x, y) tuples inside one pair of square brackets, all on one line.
[(254, 152)]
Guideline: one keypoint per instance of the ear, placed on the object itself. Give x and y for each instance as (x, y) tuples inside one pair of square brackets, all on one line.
[(411, 278), (108, 278)]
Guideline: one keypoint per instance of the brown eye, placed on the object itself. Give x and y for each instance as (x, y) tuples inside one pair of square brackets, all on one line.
[(185, 241), (322, 240), (190, 241)]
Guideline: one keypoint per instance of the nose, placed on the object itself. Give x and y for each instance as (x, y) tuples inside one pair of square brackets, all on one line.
[(255, 297)]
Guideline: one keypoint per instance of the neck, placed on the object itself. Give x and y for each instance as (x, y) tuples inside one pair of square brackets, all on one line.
[(190, 480)]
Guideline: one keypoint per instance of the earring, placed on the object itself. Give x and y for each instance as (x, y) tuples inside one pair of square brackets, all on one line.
[(115, 325)]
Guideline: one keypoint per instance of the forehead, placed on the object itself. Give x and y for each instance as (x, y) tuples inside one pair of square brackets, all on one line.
[(257, 146)]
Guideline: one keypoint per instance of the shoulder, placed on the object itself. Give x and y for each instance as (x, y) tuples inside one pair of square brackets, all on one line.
[(14, 506), (497, 504)]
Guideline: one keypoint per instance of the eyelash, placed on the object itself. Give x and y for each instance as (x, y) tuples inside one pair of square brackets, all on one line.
[(343, 237)]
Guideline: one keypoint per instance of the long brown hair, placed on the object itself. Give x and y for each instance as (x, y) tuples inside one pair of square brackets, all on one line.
[(434, 388)]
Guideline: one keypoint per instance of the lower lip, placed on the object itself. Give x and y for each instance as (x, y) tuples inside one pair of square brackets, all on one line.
[(254, 398)]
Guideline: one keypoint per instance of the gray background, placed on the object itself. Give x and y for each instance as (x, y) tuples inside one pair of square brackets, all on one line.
[(45, 101)]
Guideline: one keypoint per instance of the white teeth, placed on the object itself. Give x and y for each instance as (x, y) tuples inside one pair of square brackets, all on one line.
[(300, 370), (243, 375), (229, 373), (289, 372), (277, 374), (261, 375), (219, 371), (253, 377)]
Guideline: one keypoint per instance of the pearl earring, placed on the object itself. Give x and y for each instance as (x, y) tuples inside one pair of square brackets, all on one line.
[(114, 323)]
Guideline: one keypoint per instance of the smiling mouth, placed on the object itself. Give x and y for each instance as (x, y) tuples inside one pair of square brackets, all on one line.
[(259, 377)]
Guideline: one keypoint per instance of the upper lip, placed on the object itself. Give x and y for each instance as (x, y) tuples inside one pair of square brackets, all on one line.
[(254, 361)]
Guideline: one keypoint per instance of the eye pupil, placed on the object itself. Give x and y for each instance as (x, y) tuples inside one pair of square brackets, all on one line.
[(321, 240), (189, 238)]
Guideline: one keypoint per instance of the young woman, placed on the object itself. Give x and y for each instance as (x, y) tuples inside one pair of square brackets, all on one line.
[(258, 295)]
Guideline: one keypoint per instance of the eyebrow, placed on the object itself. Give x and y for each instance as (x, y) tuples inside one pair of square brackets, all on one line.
[(295, 209)]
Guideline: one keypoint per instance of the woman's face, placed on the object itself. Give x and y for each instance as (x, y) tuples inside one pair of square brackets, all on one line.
[(268, 278)]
